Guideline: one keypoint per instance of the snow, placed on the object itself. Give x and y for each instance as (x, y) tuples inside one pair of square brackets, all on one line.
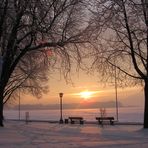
[(18, 134)]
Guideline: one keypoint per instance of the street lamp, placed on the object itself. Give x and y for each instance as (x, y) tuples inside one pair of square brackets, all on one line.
[(116, 94), (19, 106), (61, 96)]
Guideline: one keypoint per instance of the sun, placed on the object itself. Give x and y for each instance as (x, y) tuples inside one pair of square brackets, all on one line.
[(86, 94)]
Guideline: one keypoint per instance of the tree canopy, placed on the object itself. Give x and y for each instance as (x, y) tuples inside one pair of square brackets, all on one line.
[(31, 31)]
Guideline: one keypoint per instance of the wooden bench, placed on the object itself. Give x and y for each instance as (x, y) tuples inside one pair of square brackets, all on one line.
[(75, 119), (101, 119)]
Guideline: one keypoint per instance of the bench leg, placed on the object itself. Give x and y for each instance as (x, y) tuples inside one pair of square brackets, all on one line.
[(100, 122), (111, 122), (72, 122)]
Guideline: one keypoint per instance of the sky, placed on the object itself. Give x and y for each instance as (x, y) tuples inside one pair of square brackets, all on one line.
[(86, 88)]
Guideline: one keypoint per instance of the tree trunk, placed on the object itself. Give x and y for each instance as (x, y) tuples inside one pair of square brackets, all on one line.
[(146, 104), (1, 109)]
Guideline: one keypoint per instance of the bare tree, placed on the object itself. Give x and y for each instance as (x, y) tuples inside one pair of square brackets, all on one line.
[(30, 75), (29, 26), (122, 41)]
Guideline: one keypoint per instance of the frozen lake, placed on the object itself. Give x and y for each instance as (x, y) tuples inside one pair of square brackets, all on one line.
[(125, 114)]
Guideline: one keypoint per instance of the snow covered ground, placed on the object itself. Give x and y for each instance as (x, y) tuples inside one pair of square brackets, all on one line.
[(18, 134)]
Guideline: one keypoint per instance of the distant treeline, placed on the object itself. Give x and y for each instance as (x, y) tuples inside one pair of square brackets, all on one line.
[(109, 104)]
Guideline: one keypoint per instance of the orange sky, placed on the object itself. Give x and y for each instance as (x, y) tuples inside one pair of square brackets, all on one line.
[(128, 96)]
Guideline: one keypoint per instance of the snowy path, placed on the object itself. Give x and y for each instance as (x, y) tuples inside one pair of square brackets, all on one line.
[(48, 135)]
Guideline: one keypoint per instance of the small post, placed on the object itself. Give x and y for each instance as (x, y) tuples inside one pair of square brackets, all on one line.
[(27, 117)]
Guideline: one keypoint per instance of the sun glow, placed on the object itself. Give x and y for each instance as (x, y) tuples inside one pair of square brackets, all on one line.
[(86, 94)]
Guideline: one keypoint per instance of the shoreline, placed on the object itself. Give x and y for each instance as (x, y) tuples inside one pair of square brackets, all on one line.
[(85, 122)]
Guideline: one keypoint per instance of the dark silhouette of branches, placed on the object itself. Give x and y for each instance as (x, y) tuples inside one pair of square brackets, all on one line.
[(122, 42)]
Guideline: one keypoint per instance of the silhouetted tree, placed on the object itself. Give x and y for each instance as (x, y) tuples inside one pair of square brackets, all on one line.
[(28, 26), (30, 75), (122, 41)]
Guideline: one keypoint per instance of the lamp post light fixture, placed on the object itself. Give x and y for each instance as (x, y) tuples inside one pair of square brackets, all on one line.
[(61, 118)]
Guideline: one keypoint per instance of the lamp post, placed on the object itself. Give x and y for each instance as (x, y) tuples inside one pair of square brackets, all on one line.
[(116, 95), (19, 106), (61, 96)]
